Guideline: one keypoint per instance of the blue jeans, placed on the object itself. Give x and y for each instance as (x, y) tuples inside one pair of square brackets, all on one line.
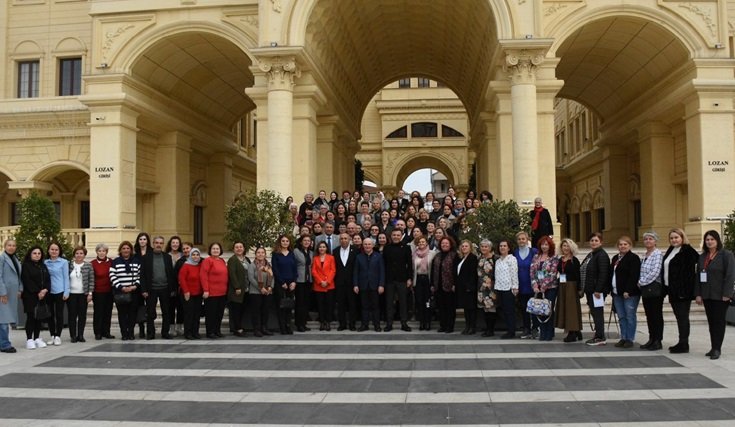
[(626, 309), (4, 336), (546, 330)]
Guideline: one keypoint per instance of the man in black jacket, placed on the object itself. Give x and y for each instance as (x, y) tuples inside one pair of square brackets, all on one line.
[(344, 257), (398, 278), (159, 283)]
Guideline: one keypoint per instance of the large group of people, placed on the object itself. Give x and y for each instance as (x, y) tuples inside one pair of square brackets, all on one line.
[(360, 262)]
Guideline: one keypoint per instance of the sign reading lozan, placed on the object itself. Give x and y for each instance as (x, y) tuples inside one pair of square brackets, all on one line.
[(104, 171), (718, 165)]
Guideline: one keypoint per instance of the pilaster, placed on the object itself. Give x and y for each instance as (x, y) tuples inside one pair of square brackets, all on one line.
[(219, 179), (173, 212), (658, 194)]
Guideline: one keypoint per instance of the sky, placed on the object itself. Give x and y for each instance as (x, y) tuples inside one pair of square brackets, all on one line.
[(419, 180)]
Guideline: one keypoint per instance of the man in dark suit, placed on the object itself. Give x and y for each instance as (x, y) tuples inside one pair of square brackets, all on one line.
[(158, 283), (398, 278), (327, 237), (368, 279), (344, 257)]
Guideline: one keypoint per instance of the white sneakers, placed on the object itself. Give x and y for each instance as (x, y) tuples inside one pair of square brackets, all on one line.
[(40, 343), (54, 341), (37, 343), (30, 345)]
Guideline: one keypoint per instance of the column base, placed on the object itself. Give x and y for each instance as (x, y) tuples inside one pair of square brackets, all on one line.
[(109, 236)]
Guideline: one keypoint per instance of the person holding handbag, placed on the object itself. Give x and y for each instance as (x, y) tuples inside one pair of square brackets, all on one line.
[(36, 282), (679, 277), (626, 270), (125, 279), (714, 289), (284, 267), (652, 291), (544, 280), (237, 267), (568, 307)]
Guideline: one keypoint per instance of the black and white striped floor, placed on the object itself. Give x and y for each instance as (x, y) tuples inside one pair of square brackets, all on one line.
[(359, 379)]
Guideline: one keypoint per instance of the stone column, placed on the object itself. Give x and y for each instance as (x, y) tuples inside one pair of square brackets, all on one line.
[(219, 195), (280, 73), (112, 174), (306, 152), (521, 65), (658, 193), (615, 175), (171, 203), (710, 156)]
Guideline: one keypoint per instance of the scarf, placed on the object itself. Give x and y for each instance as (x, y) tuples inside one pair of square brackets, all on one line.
[(422, 259), (262, 276), (536, 217), (190, 260)]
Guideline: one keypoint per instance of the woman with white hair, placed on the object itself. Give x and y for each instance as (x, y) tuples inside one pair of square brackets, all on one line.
[(568, 308)]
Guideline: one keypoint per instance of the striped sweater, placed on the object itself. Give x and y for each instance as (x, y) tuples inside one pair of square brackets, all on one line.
[(125, 272)]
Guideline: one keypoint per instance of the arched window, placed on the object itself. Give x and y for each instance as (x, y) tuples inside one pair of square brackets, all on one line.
[(399, 133), (448, 132)]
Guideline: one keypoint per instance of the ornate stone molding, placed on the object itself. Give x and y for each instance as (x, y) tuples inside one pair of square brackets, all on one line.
[(276, 4), (280, 72), (705, 13), (521, 64)]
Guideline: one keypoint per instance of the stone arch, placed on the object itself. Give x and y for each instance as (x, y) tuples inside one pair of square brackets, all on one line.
[(575, 205), (565, 27), (609, 57), (199, 193), (634, 187), (131, 51), (598, 199), (372, 176), (396, 174), (50, 170), (10, 175), (69, 45), (26, 48), (585, 205), (294, 32)]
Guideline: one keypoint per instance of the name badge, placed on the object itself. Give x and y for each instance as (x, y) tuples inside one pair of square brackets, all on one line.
[(540, 275), (562, 278), (703, 277)]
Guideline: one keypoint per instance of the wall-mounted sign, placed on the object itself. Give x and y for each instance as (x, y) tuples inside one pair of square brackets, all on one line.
[(718, 165), (104, 171)]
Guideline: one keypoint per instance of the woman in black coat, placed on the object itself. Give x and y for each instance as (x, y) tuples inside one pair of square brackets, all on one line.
[(716, 274), (466, 266), (595, 274), (679, 277), (36, 284)]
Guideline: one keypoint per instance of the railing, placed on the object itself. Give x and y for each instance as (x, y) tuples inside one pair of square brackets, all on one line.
[(74, 236)]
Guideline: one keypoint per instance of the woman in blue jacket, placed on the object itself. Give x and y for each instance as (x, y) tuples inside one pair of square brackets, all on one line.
[(58, 269)]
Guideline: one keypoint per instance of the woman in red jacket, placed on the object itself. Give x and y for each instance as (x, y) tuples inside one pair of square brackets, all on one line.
[(191, 290), (214, 277), (323, 270)]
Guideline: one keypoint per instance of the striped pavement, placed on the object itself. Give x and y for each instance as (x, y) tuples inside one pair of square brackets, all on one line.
[(359, 379)]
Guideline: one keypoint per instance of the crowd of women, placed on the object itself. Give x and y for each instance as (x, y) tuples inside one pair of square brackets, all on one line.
[(446, 273)]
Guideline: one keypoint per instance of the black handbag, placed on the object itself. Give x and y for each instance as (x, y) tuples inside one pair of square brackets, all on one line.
[(652, 290), (41, 311), (122, 298), (287, 302)]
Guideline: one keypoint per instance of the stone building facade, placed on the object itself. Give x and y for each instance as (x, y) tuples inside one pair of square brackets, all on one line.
[(154, 115)]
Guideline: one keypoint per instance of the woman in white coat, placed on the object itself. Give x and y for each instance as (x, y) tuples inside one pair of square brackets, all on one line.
[(10, 289)]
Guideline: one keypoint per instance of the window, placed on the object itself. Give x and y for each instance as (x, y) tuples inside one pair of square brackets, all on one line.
[(424, 82), (423, 130), (28, 79), (198, 225), (70, 76), (404, 83), (84, 214), (14, 214), (448, 132), (399, 133)]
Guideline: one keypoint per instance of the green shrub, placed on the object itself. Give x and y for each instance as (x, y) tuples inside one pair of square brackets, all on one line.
[(39, 226), (496, 221), (257, 218), (729, 237)]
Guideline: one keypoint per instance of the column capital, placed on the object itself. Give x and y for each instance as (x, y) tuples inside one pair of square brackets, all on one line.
[(522, 58), (280, 71)]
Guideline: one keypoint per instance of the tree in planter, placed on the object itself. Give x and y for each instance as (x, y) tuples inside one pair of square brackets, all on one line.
[(496, 221), (729, 237), (257, 218), (38, 225)]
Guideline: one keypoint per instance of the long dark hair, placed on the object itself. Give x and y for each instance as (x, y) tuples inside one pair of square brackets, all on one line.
[(136, 247), (715, 235)]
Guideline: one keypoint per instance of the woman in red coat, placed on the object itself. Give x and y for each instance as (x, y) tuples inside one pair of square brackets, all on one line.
[(214, 278), (323, 269), (191, 290)]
